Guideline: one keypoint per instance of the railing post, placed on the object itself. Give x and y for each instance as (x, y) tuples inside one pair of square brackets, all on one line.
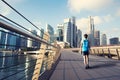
[(109, 55), (40, 57), (103, 52), (117, 54)]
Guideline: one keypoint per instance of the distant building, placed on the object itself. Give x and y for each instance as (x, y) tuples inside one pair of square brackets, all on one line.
[(91, 31), (67, 31), (97, 38), (79, 37), (114, 41), (29, 40), (74, 29), (34, 42), (50, 30), (40, 33), (60, 32), (3, 39), (10, 40), (103, 39), (70, 31)]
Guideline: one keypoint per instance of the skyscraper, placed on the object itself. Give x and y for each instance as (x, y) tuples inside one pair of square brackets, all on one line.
[(50, 30), (79, 37), (34, 42), (103, 39), (11, 40), (67, 31), (91, 31), (114, 41), (74, 29), (29, 41), (60, 32), (40, 33), (70, 31), (97, 38), (3, 39)]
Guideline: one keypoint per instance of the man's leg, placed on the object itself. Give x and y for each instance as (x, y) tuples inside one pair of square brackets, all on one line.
[(87, 60), (84, 57)]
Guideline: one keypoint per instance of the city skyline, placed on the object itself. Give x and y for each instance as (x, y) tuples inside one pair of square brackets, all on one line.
[(106, 13)]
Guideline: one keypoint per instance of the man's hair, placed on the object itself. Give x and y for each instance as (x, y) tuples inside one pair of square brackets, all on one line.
[(85, 35)]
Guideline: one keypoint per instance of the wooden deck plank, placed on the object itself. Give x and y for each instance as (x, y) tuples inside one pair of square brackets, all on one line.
[(71, 67)]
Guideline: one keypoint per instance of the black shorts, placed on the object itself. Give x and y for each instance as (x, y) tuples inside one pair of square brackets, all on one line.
[(85, 52)]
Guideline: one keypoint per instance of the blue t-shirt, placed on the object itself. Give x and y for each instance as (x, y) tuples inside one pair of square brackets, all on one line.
[(85, 45)]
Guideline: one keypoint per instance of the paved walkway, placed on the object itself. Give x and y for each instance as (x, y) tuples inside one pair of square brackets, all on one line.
[(70, 67)]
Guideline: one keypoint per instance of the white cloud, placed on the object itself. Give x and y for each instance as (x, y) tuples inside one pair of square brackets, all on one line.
[(97, 20), (118, 12), (91, 5), (108, 18), (4, 9), (82, 23)]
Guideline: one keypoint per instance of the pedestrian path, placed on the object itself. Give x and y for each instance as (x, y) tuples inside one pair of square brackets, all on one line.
[(71, 67)]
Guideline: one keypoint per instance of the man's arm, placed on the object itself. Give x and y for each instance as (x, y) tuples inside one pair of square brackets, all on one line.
[(81, 48)]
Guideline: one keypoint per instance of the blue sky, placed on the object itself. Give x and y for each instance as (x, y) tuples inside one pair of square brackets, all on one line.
[(106, 13)]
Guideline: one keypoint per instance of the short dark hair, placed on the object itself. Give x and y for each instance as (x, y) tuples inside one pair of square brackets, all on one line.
[(85, 35)]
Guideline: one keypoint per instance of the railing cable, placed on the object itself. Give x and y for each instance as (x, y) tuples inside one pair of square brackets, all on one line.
[(22, 16)]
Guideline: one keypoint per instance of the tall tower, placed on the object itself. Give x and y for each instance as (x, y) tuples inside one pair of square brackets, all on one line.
[(70, 31), (74, 31), (91, 31), (50, 30), (67, 31), (97, 38), (103, 39), (79, 37), (60, 32), (29, 41)]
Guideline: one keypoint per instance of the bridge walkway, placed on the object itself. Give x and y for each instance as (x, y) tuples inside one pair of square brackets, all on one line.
[(71, 67)]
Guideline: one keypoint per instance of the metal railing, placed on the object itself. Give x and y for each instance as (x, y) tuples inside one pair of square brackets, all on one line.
[(109, 51), (25, 55), (20, 62), (106, 51)]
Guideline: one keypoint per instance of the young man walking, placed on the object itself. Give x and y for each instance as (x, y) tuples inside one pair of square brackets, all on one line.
[(85, 50)]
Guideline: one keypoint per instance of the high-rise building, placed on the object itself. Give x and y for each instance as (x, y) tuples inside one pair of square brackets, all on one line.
[(29, 40), (70, 31), (114, 41), (34, 42), (103, 39), (74, 29), (91, 31), (9, 39), (60, 32), (79, 37), (3, 39), (40, 33), (97, 38), (67, 31), (50, 30)]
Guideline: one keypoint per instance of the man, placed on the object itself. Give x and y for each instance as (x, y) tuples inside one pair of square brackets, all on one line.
[(85, 50)]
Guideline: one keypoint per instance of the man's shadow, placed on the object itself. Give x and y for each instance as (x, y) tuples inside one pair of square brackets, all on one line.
[(103, 65)]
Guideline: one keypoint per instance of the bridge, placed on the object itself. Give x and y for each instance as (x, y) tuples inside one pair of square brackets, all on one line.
[(46, 61), (50, 62)]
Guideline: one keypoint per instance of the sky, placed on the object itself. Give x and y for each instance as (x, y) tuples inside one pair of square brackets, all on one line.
[(106, 13)]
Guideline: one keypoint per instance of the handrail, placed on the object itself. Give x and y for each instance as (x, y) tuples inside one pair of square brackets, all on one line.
[(13, 28), (109, 51), (25, 64), (21, 15)]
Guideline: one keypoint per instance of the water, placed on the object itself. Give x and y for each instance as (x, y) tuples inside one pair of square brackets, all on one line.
[(16, 66)]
